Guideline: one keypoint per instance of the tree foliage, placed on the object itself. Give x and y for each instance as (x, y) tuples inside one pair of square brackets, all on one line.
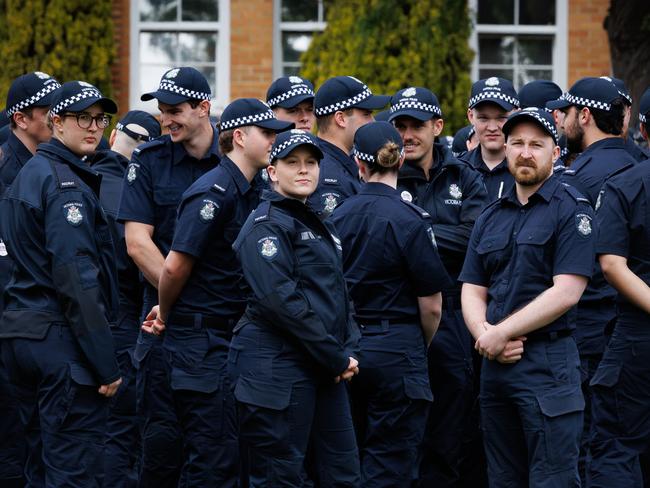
[(68, 39), (390, 45)]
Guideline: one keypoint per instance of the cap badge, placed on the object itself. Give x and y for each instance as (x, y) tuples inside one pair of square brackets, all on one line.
[(406, 196), (172, 73), (295, 79), (41, 75), (85, 85), (492, 81), (409, 92), (297, 131)]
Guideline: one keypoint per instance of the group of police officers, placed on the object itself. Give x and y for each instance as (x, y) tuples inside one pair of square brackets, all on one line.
[(248, 304)]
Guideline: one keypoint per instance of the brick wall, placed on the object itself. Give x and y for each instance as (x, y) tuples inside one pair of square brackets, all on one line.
[(588, 43), (251, 48), (120, 68)]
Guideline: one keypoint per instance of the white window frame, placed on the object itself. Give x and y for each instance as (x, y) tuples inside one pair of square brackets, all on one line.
[(222, 63), (279, 26), (559, 31)]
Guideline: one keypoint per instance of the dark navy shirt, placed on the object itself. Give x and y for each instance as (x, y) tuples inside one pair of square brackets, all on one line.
[(637, 152), (454, 196), (516, 250), (292, 262), (210, 217), (389, 254), (158, 174), (339, 179), (498, 180), (60, 241), (624, 220), (112, 165)]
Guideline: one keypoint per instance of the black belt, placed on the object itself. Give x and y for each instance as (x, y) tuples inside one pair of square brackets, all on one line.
[(550, 335), (198, 321), (387, 322)]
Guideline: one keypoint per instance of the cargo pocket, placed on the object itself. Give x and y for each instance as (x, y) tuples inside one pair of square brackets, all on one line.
[(561, 410), (262, 393), (78, 378), (606, 375), (202, 382), (418, 389)]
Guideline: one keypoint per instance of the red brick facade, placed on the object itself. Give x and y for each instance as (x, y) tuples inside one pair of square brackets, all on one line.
[(588, 44)]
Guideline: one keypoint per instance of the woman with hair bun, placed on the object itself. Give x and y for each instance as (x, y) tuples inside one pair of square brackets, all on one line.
[(394, 276)]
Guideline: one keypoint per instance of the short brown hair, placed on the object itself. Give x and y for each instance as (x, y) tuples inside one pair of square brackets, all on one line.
[(26, 111), (225, 139)]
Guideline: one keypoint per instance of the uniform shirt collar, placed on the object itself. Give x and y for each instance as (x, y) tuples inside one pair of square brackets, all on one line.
[(179, 153), (374, 188), (336, 152), (238, 177), (545, 192), (22, 153), (475, 158)]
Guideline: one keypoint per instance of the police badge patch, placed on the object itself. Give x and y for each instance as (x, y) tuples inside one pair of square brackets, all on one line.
[(406, 196), (207, 210), (268, 247), (72, 213), (583, 224), (329, 201), (132, 173), (455, 191)]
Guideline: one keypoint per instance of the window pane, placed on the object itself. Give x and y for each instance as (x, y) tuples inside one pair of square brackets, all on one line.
[(534, 12), (528, 75), (294, 44), (158, 10), (496, 11), (158, 47), (150, 76), (200, 10), (291, 70), (197, 47), (535, 50), (502, 73), (299, 10), (211, 75), (496, 49)]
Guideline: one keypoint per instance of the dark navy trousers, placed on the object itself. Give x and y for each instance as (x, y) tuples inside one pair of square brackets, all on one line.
[(285, 406), (531, 414), (65, 416)]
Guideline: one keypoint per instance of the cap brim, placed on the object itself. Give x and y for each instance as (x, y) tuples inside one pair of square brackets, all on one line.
[(373, 102), (523, 116), (275, 124), (164, 97), (497, 101), (107, 105), (557, 104), (46, 101), (293, 101), (414, 114), (285, 152)]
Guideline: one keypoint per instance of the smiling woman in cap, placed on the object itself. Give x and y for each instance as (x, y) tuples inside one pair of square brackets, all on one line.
[(297, 325), (57, 341)]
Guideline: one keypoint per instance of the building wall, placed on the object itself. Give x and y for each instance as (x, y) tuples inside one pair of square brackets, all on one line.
[(120, 68), (251, 48), (588, 44)]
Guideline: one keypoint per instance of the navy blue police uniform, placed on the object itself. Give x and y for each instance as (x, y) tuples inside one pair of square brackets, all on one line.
[(454, 195), (56, 341), (597, 308), (339, 176), (158, 174), (498, 180), (295, 337), (389, 259), (621, 384)]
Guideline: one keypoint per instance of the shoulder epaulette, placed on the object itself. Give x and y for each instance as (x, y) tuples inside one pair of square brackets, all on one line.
[(65, 177), (420, 211), (150, 144), (261, 213), (620, 170), (575, 194)]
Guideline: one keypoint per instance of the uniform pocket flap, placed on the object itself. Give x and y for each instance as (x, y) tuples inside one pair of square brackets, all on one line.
[(418, 389), (561, 402), (82, 375), (494, 242), (185, 380), (537, 235), (606, 375), (262, 393)]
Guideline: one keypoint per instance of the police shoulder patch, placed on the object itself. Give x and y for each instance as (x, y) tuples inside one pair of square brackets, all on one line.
[(3, 248), (421, 212), (208, 208), (583, 224), (329, 201), (268, 247), (72, 211), (132, 173), (147, 146)]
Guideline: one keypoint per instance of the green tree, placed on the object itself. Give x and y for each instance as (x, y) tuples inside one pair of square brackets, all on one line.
[(69, 39), (390, 45)]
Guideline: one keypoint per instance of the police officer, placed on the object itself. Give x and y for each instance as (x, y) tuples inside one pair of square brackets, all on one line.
[(395, 277), (464, 140), (620, 423), (56, 341), (342, 105), (528, 262), (122, 436), (201, 295), (158, 174), (453, 193), (292, 99), (296, 341), (491, 101), (593, 124), (28, 100)]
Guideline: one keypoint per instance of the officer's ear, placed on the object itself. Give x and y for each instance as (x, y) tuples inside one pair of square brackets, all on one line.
[(271, 171), (239, 137), (111, 139), (438, 125), (339, 118), (19, 120), (470, 116), (57, 123), (204, 107)]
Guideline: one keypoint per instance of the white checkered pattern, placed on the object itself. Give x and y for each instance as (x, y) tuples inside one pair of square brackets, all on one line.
[(292, 141), (586, 102), (290, 94), (414, 104), (169, 87), (642, 118), (369, 158), (343, 104), (247, 120), (74, 99), (49, 88), (626, 96), (492, 95), (551, 127)]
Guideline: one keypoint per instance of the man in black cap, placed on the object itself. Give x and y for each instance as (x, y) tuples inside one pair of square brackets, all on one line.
[(593, 125), (28, 101), (464, 141), (292, 99), (158, 174), (342, 105), (122, 436), (492, 100), (453, 193)]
